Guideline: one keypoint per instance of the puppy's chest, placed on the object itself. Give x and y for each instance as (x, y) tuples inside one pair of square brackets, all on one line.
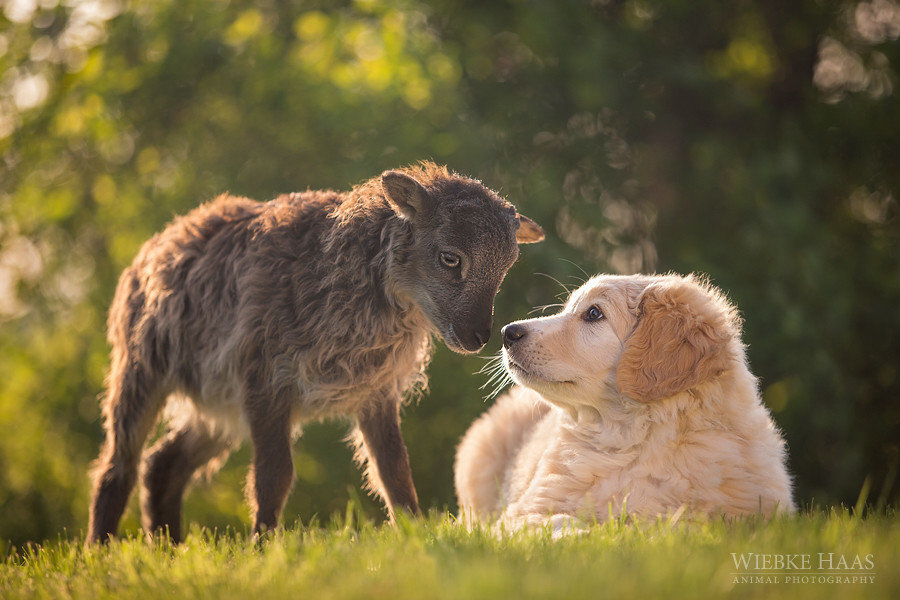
[(596, 459), (597, 454)]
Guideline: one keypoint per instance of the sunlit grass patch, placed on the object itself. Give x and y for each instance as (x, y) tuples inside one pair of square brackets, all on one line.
[(437, 558)]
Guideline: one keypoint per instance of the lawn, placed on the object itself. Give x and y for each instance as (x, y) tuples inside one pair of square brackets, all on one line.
[(436, 558)]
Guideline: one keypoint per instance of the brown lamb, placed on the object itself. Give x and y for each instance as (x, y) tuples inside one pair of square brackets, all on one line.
[(249, 319)]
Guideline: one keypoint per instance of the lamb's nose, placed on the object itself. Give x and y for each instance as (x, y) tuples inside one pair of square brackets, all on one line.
[(511, 333)]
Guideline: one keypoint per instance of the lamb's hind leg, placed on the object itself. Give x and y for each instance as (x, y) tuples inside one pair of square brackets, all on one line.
[(168, 468), (131, 406)]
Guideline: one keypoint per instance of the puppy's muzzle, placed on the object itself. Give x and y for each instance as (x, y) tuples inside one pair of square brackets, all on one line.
[(513, 333)]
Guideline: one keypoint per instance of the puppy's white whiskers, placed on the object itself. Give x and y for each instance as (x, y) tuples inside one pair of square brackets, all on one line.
[(577, 266), (490, 363), (495, 374), (557, 281), (497, 379), (499, 387), (544, 308)]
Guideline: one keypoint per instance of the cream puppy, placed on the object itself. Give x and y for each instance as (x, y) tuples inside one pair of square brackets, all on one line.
[(636, 398)]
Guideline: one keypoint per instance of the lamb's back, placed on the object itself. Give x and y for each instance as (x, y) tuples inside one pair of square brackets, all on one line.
[(182, 293)]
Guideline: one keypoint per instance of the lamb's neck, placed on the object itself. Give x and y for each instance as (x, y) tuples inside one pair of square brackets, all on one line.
[(386, 258)]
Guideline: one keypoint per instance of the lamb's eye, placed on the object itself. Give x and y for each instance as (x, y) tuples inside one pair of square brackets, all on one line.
[(593, 313), (449, 260)]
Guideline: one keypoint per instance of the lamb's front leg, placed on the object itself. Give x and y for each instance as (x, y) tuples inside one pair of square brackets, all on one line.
[(380, 447), (272, 473)]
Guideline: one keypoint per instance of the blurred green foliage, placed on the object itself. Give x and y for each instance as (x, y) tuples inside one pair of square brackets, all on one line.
[(754, 141)]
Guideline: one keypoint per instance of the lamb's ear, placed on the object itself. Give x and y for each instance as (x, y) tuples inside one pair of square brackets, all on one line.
[(528, 232), (681, 340), (406, 195)]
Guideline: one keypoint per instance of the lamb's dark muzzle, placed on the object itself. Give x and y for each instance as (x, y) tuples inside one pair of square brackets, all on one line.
[(475, 331), (474, 340)]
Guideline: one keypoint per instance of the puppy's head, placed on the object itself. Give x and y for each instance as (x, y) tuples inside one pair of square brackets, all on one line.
[(644, 338)]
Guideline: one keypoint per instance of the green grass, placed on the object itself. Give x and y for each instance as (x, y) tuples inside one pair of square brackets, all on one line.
[(436, 558)]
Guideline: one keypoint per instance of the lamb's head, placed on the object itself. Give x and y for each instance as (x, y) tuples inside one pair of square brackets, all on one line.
[(463, 239)]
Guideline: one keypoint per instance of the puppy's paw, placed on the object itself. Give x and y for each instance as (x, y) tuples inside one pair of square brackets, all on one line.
[(565, 525), (559, 525)]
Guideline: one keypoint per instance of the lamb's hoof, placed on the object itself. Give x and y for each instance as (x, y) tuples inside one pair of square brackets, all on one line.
[(262, 536)]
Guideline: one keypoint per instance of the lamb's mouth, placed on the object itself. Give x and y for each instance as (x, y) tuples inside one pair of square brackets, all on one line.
[(516, 369), (455, 344)]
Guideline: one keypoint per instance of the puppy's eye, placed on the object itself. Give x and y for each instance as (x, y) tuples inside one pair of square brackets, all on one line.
[(593, 313), (449, 260)]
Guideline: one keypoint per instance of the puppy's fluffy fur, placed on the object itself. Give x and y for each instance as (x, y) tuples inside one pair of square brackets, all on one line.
[(644, 409)]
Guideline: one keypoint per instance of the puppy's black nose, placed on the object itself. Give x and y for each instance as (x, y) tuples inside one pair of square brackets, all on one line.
[(511, 333), (483, 336)]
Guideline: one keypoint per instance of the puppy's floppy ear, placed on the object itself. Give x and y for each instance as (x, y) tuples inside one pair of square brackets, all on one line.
[(681, 340), (405, 195), (528, 232)]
